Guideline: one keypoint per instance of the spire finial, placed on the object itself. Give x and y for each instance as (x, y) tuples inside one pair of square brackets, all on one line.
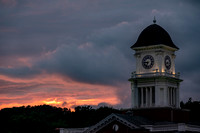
[(154, 20)]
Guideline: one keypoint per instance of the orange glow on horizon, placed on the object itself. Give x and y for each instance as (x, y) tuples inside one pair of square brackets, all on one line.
[(71, 104), (51, 102), (54, 90)]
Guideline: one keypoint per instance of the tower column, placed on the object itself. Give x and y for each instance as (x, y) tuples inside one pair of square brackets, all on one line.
[(157, 98), (150, 96), (146, 89), (177, 97), (174, 97), (171, 97), (136, 95), (165, 96)]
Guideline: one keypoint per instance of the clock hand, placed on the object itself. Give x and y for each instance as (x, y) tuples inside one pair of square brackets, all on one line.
[(146, 62)]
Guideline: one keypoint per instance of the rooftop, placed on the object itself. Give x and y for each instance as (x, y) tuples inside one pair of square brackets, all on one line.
[(154, 35)]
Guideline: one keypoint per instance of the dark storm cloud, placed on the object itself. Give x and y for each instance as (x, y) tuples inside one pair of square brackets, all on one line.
[(86, 64), (89, 41)]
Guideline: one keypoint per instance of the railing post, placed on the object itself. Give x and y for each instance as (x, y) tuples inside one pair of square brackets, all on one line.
[(132, 76)]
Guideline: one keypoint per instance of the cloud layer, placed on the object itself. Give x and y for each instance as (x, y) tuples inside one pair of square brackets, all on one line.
[(70, 53)]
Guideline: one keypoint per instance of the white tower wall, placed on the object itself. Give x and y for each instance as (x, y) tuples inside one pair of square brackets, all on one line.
[(157, 86)]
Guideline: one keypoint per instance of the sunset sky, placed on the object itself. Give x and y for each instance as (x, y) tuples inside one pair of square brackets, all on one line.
[(77, 52)]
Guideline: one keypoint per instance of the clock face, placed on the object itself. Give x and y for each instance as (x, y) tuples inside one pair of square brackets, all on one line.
[(167, 62), (148, 62)]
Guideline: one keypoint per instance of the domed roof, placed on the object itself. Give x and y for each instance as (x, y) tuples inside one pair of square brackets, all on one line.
[(154, 35)]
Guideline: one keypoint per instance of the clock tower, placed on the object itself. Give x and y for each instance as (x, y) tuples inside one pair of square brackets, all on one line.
[(155, 82)]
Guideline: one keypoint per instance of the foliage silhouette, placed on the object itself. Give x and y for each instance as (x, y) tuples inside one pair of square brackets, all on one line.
[(46, 118), (194, 107)]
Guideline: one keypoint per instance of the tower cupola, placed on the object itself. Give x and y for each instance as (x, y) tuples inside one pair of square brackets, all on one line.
[(154, 35)]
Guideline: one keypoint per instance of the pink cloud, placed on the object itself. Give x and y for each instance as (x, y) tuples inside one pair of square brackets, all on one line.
[(53, 90)]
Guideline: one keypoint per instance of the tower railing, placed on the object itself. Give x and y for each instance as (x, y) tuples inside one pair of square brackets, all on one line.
[(153, 74)]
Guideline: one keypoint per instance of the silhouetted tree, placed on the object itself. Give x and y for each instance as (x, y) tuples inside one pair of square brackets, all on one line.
[(194, 107)]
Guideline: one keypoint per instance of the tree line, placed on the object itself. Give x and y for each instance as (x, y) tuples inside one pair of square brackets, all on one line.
[(46, 118), (194, 108)]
